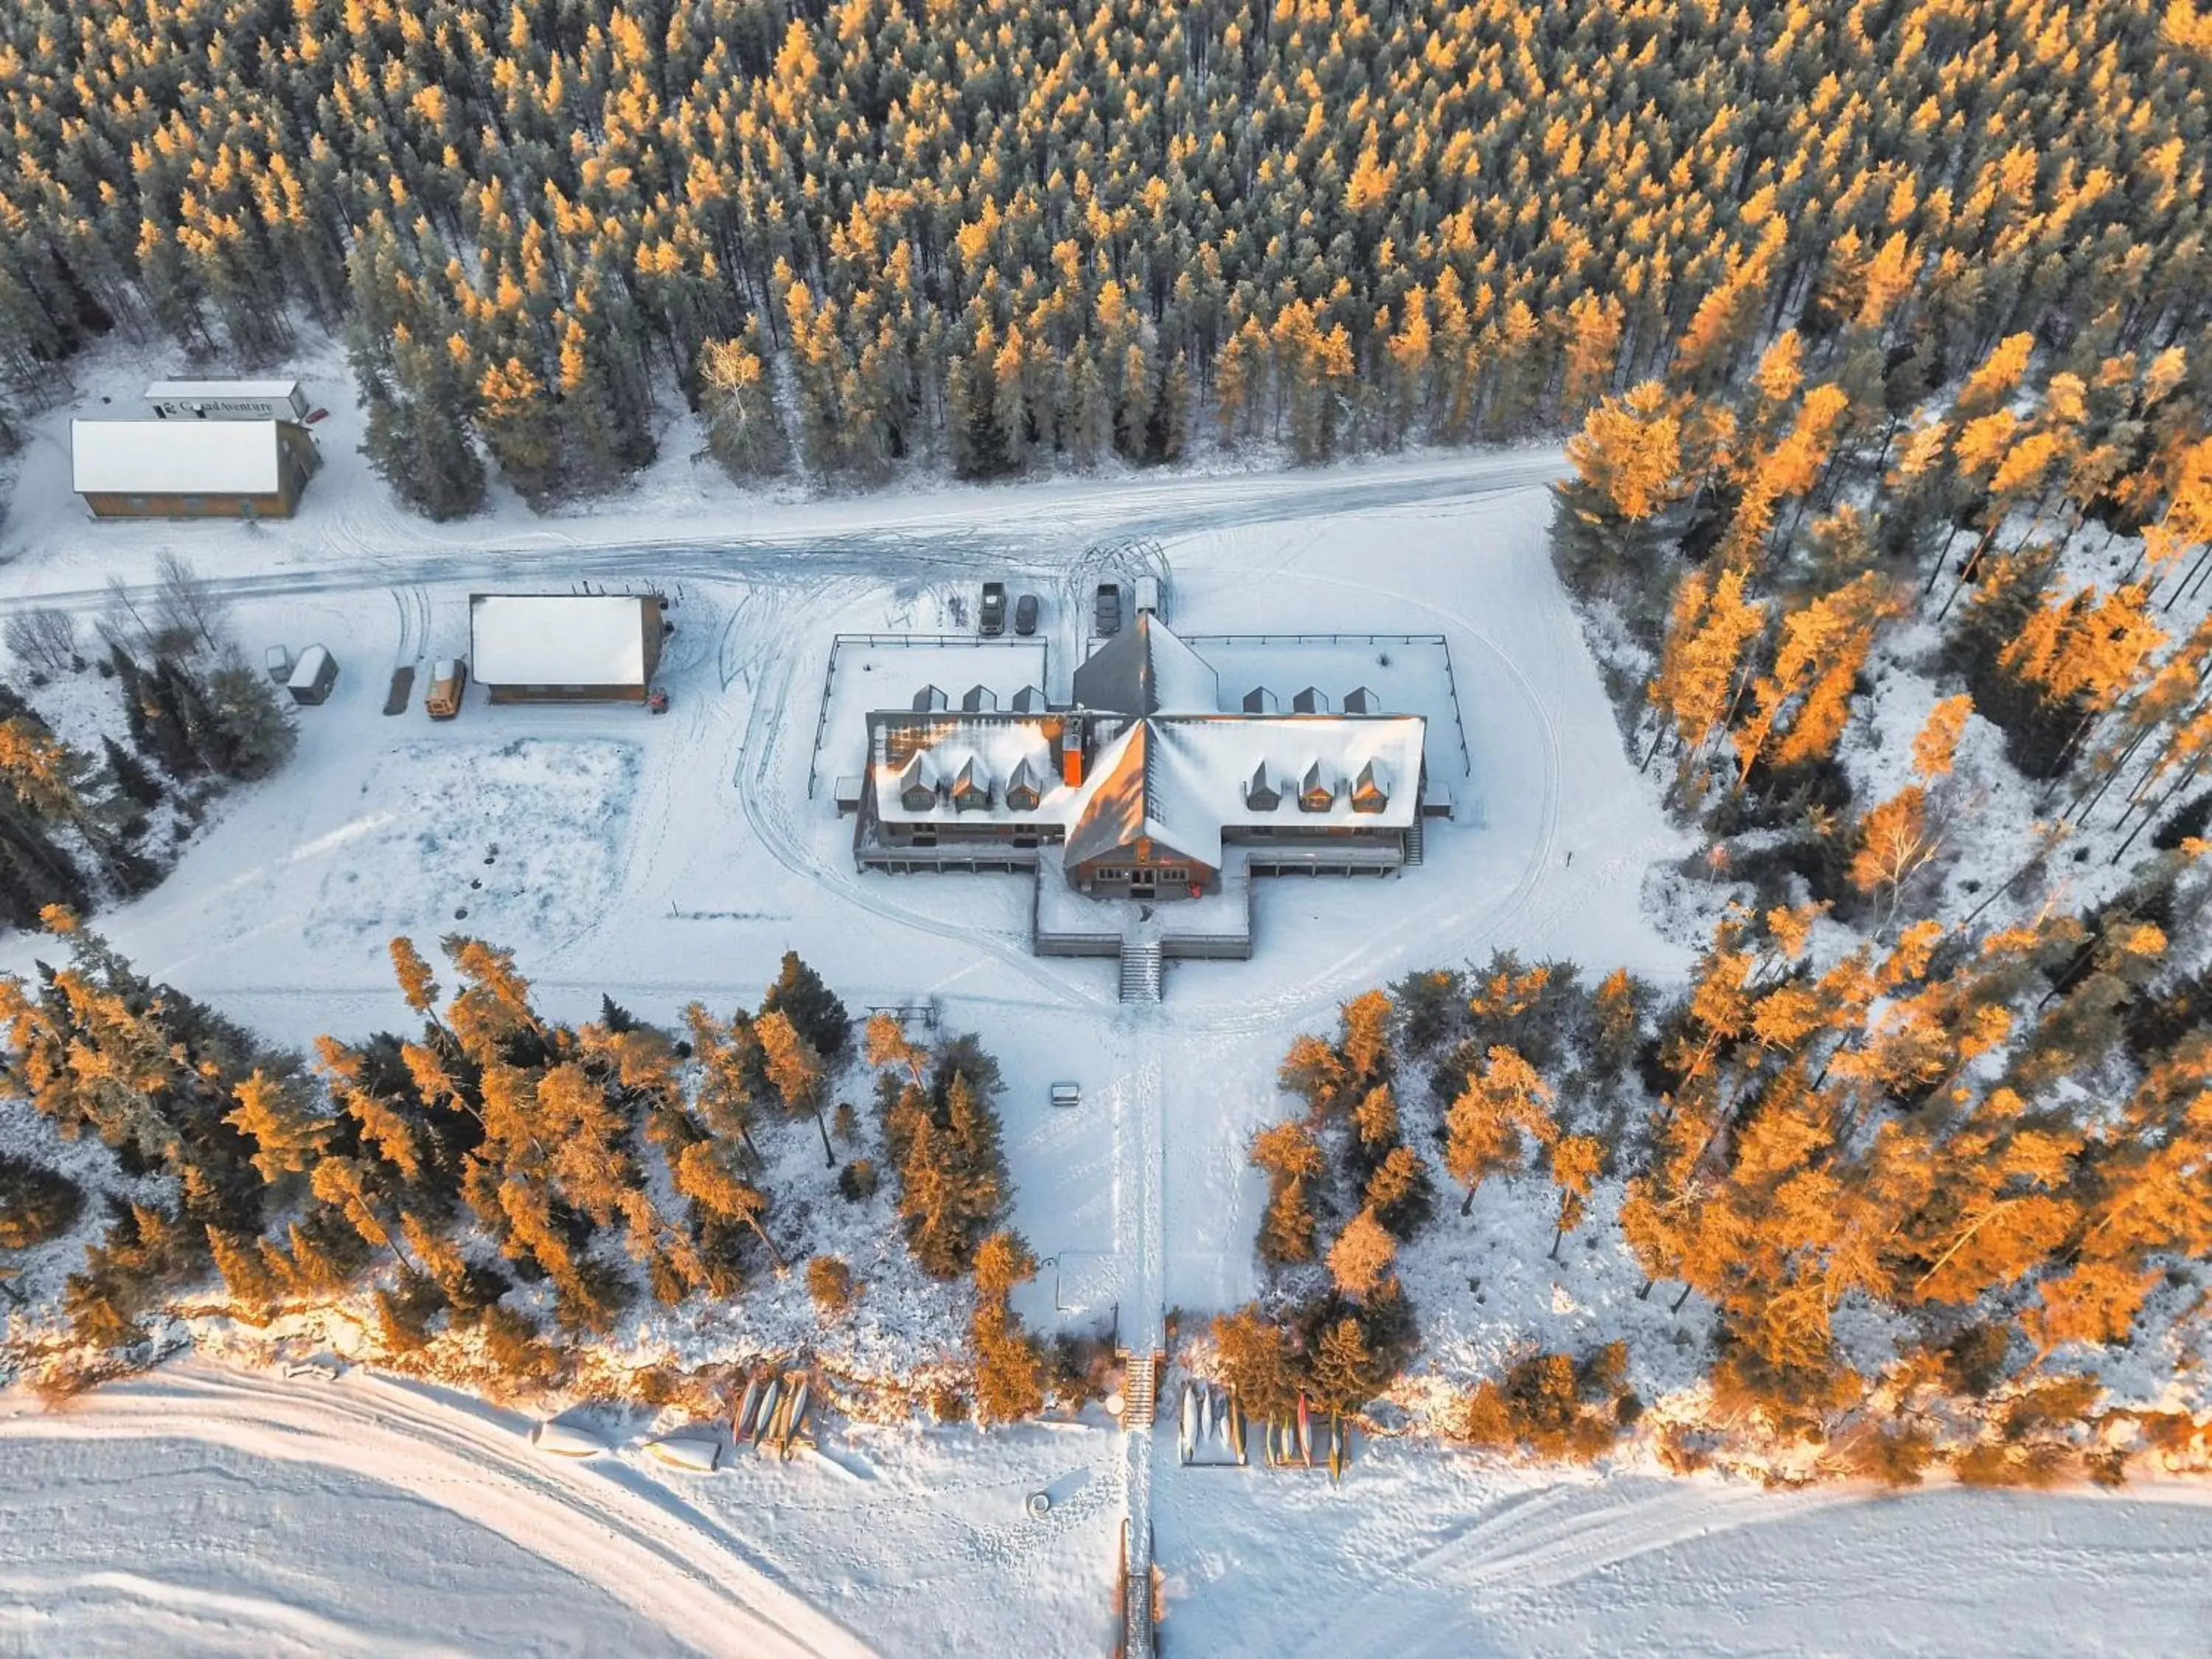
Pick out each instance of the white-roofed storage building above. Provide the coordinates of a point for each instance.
(565, 648)
(191, 470)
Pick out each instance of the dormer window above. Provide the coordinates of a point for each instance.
(1025, 788)
(1370, 790)
(917, 793)
(980, 700)
(928, 700)
(971, 788)
(1317, 790)
(1261, 793)
(1311, 701)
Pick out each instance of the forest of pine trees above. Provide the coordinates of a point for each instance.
(1013, 235)
(1998, 1141)
(497, 1188)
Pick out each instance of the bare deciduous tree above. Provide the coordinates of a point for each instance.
(45, 640)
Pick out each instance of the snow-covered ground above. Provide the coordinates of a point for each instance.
(204, 1510)
(662, 860)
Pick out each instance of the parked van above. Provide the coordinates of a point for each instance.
(1148, 596)
(313, 675)
(449, 677)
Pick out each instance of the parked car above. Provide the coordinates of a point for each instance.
(313, 675)
(993, 619)
(1025, 615)
(449, 677)
(278, 661)
(1108, 620)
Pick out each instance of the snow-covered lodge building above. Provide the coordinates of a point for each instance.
(565, 648)
(220, 469)
(1144, 786)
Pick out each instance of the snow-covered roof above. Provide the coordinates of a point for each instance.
(163, 392)
(557, 639)
(1146, 670)
(174, 457)
(1176, 780)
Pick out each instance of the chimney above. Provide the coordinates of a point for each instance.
(1071, 754)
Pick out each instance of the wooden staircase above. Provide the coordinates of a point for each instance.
(1140, 1388)
(1142, 963)
(1416, 839)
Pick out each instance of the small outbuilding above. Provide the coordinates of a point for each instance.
(227, 400)
(565, 648)
(229, 469)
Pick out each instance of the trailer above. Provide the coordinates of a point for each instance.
(313, 676)
(227, 400)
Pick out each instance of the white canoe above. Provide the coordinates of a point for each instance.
(1189, 1421)
(692, 1452)
(797, 1414)
(767, 1414)
(559, 1439)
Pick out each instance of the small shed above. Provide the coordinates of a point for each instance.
(565, 648)
(231, 469)
(227, 400)
(313, 676)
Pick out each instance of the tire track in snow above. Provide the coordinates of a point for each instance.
(667, 1560)
(1545, 1542)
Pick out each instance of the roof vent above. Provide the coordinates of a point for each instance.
(980, 700)
(1311, 701)
(1260, 700)
(1028, 700)
(928, 700)
(1361, 701)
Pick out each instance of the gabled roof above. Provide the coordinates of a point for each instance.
(173, 458)
(550, 639)
(1126, 805)
(1146, 670)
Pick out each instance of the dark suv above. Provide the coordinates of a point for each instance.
(995, 610)
(1025, 615)
(1109, 617)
